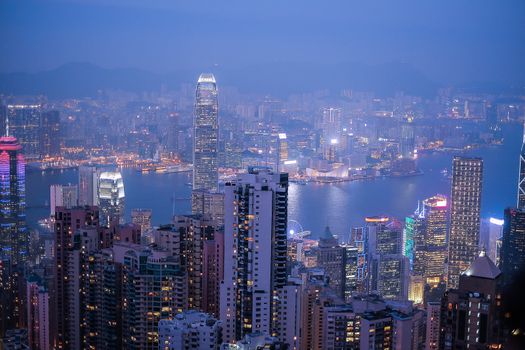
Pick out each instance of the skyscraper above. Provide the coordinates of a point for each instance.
(513, 247)
(62, 196)
(407, 143)
(467, 176)
(206, 133)
(111, 197)
(521, 181)
(87, 185)
(14, 237)
(23, 122)
(254, 251)
(50, 137)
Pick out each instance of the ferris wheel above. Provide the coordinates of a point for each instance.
(295, 230)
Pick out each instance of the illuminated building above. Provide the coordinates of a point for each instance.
(407, 142)
(359, 240)
(67, 261)
(23, 122)
(465, 209)
(470, 314)
(342, 328)
(111, 197)
(350, 273)
(513, 245)
(521, 180)
(62, 196)
(430, 240)
(38, 321)
(205, 129)
(255, 250)
(14, 237)
(208, 203)
(87, 185)
(433, 310)
(142, 217)
(491, 232)
(190, 330)
(50, 136)
(330, 257)
(282, 152)
(416, 289)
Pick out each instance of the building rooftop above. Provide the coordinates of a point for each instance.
(483, 267)
(206, 78)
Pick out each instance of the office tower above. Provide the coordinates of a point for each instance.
(407, 141)
(87, 185)
(62, 196)
(190, 330)
(360, 241)
(350, 273)
(465, 208)
(23, 122)
(513, 245)
(254, 251)
(14, 237)
(491, 231)
(430, 225)
(3, 120)
(10, 302)
(205, 129)
(67, 223)
(414, 230)
(142, 217)
(416, 289)
(470, 315)
(393, 276)
(50, 136)
(111, 197)
(208, 203)
(330, 257)
(282, 150)
(521, 180)
(38, 321)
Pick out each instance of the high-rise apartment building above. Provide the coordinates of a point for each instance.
(38, 321)
(111, 197)
(190, 330)
(62, 196)
(142, 217)
(513, 246)
(255, 240)
(68, 222)
(330, 257)
(206, 134)
(465, 210)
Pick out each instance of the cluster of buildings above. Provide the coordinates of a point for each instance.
(232, 276)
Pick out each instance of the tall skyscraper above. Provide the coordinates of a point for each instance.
(430, 240)
(513, 247)
(206, 134)
(14, 237)
(23, 122)
(465, 210)
(50, 136)
(521, 181)
(111, 197)
(254, 251)
(38, 321)
(407, 141)
(331, 257)
(87, 185)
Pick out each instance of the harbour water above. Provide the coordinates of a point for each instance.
(314, 206)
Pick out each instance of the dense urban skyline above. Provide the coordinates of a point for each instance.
(282, 176)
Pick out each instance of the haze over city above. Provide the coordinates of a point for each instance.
(294, 175)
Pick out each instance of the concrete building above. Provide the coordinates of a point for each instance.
(190, 330)
(255, 250)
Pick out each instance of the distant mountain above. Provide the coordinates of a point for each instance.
(278, 79)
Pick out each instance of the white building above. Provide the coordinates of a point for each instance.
(190, 330)
(255, 243)
(111, 197)
(62, 196)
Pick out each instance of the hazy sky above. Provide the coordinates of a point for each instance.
(450, 41)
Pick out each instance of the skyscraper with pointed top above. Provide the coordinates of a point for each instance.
(521, 182)
(205, 135)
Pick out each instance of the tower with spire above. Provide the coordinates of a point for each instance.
(521, 181)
